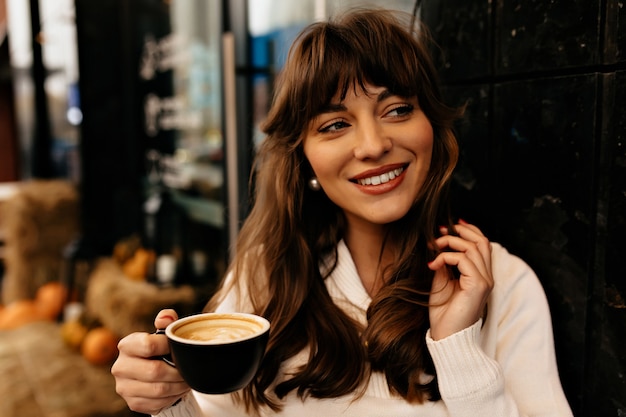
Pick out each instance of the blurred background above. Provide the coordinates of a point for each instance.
(128, 128)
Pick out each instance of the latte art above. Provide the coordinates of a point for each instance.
(218, 330)
(217, 353)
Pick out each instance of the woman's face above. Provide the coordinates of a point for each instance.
(371, 153)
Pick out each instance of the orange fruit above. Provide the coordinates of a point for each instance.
(50, 299)
(19, 313)
(99, 346)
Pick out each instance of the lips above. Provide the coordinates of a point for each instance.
(383, 175)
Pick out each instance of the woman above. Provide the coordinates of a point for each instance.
(380, 304)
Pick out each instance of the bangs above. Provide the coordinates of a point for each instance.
(353, 55)
(328, 59)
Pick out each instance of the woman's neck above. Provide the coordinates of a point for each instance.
(365, 245)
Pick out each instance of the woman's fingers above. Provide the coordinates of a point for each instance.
(164, 318)
(143, 345)
(469, 241)
(456, 250)
(150, 398)
(160, 381)
(457, 304)
(472, 279)
(146, 382)
(470, 233)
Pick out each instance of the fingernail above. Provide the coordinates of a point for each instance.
(168, 317)
(461, 221)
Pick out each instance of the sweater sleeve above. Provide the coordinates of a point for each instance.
(471, 384)
(506, 366)
(186, 407)
(195, 404)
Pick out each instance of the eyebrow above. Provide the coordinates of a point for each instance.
(335, 107)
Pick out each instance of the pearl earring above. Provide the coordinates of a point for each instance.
(314, 184)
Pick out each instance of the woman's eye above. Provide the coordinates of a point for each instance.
(333, 126)
(400, 111)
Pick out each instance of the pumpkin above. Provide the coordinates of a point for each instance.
(19, 313)
(100, 346)
(50, 299)
(73, 333)
(137, 267)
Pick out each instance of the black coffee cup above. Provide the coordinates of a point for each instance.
(217, 353)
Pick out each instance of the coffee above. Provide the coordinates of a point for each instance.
(220, 329)
(217, 353)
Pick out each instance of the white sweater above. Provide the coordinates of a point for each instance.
(504, 368)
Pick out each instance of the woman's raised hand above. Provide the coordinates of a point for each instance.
(457, 303)
(146, 383)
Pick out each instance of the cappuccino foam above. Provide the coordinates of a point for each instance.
(218, 329)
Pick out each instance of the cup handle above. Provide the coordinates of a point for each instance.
(166, 358)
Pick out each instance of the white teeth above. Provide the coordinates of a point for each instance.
(381, 179)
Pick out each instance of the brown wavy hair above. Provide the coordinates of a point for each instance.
(291, 229)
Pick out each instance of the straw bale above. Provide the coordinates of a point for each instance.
(125, 306)
(39, 221)
(42, 377)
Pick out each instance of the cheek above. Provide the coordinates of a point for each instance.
(315, 164)
(319, 159)
(426, 144)
(423, 149)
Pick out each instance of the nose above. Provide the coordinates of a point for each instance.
(371, 141)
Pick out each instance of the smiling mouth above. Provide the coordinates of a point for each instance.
(380, 179)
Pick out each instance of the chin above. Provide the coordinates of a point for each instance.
(387, 218)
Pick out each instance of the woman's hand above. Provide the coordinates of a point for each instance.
(147, 383)
(456, 304)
